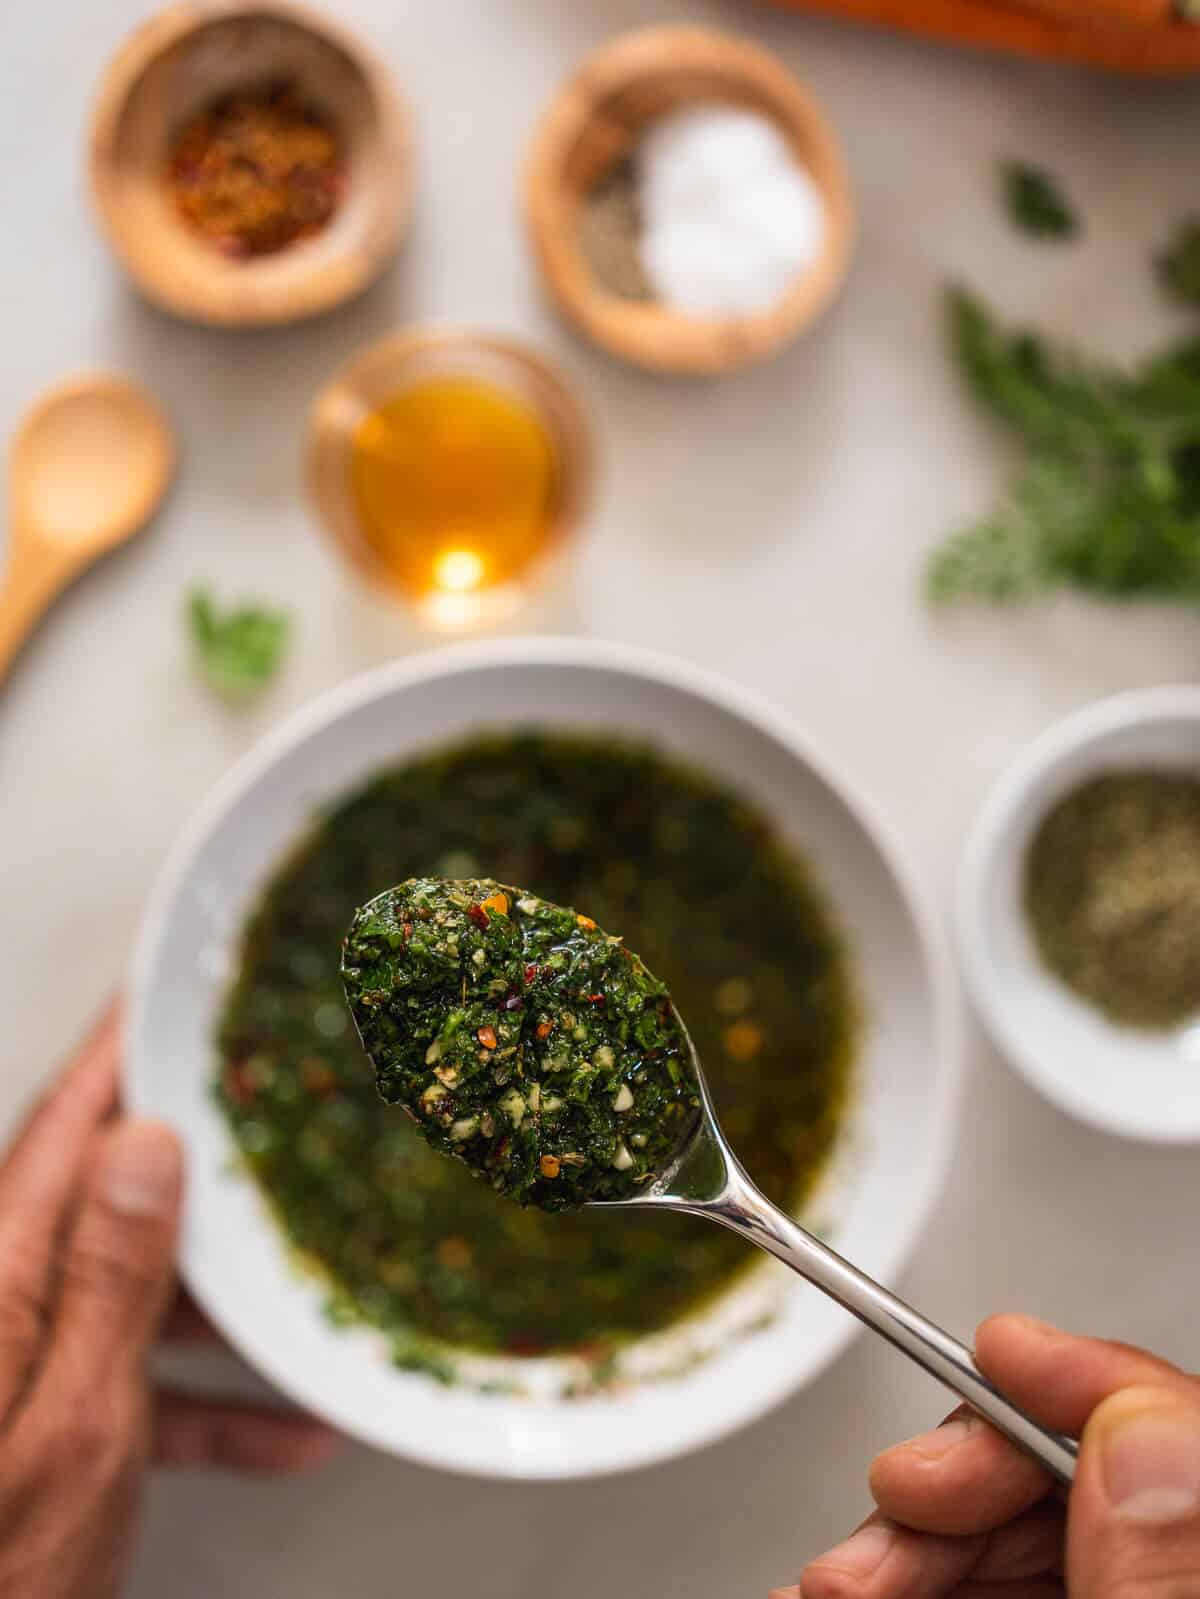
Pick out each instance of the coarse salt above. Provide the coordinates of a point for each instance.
(730, 220)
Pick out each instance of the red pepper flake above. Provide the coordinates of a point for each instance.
(257, 170)
(406, 931)
(595, 999)
(585, 921)
(742, 1040)
(544, 1029)
(593, 1351)
(530, 973)
(319, 1081)
(521, 1345)
(478, 915)
(238, 1084)
(487, 1037)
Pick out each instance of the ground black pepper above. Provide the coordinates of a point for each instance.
(609, 234)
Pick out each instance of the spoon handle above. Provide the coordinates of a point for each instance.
(33, 577)
(748, 1212)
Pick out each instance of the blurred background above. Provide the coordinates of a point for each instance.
(772, 524)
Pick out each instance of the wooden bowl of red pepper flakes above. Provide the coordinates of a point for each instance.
(251, 163)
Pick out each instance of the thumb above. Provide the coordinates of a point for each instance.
(1134, 1519)
(118, 1265)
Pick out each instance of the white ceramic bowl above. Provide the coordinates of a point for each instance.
(1127, 1081)
(892, 1157)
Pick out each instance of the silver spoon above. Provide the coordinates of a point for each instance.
(708, 1180)
(705, 1178)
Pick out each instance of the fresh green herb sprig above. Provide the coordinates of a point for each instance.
(239, 651)
(1178, 266)
(1108, 499)
(1036, 203)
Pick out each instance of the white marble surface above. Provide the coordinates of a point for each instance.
(772, 526)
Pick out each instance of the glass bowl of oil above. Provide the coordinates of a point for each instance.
(450, 468)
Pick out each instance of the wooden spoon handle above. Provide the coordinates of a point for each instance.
(35, 574)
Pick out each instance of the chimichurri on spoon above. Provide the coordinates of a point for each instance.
(523, 1039)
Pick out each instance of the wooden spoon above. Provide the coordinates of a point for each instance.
(89, 465)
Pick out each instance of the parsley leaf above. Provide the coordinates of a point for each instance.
(1108, 499)
(1178, 267)
(238, 652)
(1035, 202)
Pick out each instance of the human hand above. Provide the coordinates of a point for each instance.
(89, 1207)
(963, 1513)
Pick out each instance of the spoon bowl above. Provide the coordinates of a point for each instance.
(88, 467)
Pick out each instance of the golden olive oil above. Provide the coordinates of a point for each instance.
(455, 483)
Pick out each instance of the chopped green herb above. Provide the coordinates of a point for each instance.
(424, 1357)
(1179, 265)
(238, 652)
(1109, 497)
(521, 1039)
(1035, 202)
(1112, 892)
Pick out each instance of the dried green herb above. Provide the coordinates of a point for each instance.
(1112, 892)
(521, 1039)
(1178, 266)
(238, 652)
(1109, 497)
(1036, 203)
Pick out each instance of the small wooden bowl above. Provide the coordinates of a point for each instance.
(594, 123)
(169, 70)
(370, 379)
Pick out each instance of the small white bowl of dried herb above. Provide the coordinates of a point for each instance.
(1079, 914)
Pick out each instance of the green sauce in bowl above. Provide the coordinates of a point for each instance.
(695, 879)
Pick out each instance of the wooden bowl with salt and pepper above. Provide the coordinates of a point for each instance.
(158, 91)
(593, 128)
